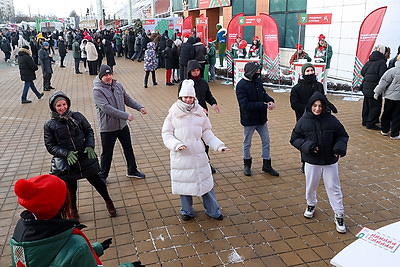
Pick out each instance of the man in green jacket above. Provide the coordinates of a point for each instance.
(76, 54)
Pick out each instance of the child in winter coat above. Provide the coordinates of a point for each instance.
(150, 63)
(183, 132)
(322, 140)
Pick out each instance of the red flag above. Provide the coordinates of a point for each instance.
(187, 27)
(369, 31)
(234, 29)
(271, 45)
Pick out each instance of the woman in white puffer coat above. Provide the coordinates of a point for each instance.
(183, 131)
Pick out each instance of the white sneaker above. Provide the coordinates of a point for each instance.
(395, 137)
(309, 213)
(384, 134)
(339, 222)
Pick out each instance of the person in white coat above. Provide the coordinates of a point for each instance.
(185, 126)
(91, 53)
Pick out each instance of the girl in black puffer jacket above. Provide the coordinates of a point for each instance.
(322, 140)
(69, 137)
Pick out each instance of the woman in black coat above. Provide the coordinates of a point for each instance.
(109, 53)
(69, 137)
(169, 59)
(322, 140)
(62, 50)
(372, 73)
(27, 68)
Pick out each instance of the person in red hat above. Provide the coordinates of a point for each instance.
(299, 54)
(45, 235)
(323, 53)
(255, 50)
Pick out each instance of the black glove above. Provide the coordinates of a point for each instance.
(137, 264)
(313, 148)
(106, 243)
(332, 107)
(339, 152)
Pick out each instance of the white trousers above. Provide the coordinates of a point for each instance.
(330, 174)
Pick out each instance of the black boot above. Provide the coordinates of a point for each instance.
(268, 169)
(247, 167)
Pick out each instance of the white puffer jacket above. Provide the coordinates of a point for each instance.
(91, 51)
(389, 84)
(190, 169)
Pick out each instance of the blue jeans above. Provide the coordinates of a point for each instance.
(212, 72)
(209, 202)
(248, 135)
(28, 85)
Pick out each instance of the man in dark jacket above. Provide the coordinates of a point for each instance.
(186, 54)
(27, 68)
(62, 51)
(45, 58)
(200, 53)
(254, 103)
(6, 48)
(372, 73)
(203, 92)
(130, 41)
(145, 41)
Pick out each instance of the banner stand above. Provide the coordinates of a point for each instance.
(228, 80)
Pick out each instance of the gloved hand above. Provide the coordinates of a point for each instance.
(90, 152)
(339, 152)
(72, 158)
(137, 264)
(106, 243)
(313, 149)
(376, 96)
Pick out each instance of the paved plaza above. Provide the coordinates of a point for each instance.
(263, 224)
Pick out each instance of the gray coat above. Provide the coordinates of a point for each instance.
(389, 84)
(110, 105)
(45, 61)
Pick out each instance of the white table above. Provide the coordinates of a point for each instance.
(360, 253)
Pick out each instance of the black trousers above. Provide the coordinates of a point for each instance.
(108, 142)
(92, 67)
(95, 181)
(183, 72)
(153, 76)
(46, 80)
(76, 61)
(391, 114)
(371, 111)
(62, 61)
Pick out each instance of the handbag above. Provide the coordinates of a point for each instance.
(59, 166)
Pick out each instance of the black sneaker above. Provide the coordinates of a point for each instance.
(136, 174)
(40, 95)
(219, 218)
(186, 217)
(26, 101)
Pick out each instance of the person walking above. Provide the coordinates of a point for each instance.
(69, 137)
(183, 131)
(110, 99)
(150, 64)
(62, 50)
(45, 234)
(212, 59)
(137, 47)
(45, 58)
(76, 54)
(389, 88)
(169, 61)
(254, 103)
(6, 48)
(27, 69)
(322, 140)
(372, 72)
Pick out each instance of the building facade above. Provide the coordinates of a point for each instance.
(7, 12)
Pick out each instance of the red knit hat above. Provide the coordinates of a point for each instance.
(43, 195)
(321, 37)
(256, 38)
(299, 47)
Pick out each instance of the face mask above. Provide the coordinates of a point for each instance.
(256, 76)
(309, 78)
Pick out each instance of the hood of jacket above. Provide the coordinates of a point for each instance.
(54, 96)
(193, 64)
(376, 55)
(191, 40)
(317, 96)
(250, 69)
(151, 45)
(23, 51)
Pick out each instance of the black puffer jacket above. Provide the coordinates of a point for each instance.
(187, 51)
(62, 136)
(323, 131)
(203, 92)
(252, 97)
(372, 72)
(27, 66)
(169, 57)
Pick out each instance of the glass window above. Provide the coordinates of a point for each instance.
(287, 21)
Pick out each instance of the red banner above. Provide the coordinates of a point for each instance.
(187, 27)
(369, 31)
(201, 28)
(307, 19)
(234, 29)
(271, 45)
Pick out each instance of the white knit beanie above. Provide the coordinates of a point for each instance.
(187, 89)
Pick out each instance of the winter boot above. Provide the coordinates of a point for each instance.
(268, 169)
(247, 167)
(112, 212)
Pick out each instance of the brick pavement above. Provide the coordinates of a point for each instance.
(264, 223)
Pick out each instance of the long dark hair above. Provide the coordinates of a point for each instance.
(66, 209)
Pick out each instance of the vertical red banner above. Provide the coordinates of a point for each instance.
(369, 31)
(234, 29)
(271, 45)
(187, 26)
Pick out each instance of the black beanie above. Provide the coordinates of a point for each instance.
(104, 69)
